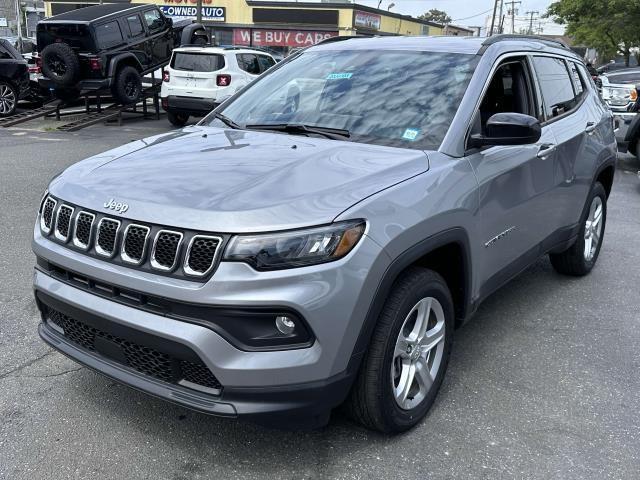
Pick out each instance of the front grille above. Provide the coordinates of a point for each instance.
(179, 253)
(134, 244)
(201, 254)
(143, 359)
(165, 250)
(47, 214)
(84, 224)
(107, 236)
(63, 222)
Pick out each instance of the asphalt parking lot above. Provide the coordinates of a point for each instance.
(543, 382)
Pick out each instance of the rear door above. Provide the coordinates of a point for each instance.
(573, 122)
(140, 45)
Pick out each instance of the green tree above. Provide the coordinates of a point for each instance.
(437, 16)
(609, 26)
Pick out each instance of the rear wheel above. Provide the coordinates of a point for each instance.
(408, 355)
(178, 119)
(127, 85)
(581, 257)
(8, 99)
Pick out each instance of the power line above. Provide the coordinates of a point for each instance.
(472, 16)
(531, 14)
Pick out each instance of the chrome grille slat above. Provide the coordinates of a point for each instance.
(83, 229)
(201, 255)
(63, 222)
(134, 243)
(46, 217)
(166, 247)
(107, 236)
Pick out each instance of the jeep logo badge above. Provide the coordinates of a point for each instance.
(116, 206)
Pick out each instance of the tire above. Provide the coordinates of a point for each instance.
(575, 260)
(178, 119)
(8, 99)
(373, 401)
(127, 85)
(60, 64)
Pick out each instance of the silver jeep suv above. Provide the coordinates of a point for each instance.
(317, 238)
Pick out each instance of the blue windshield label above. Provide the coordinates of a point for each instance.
(339, 76)
(410, 134)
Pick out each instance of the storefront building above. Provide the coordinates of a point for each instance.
(280, 26)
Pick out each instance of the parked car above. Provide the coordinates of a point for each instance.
(620, 91)
(14, 78)
(300, 248)
(198, 79)
(108, 46)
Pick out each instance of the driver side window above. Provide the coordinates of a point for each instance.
(510, 91)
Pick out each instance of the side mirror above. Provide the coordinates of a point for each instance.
(508, 129)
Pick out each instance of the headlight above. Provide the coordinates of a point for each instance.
(296, 248)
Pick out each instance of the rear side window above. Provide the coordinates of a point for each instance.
(578, 82)
(249, 63)
(266, 62)
(135, 25)
(153, 20)
(108, 34)
(556, 86)
(197, 62)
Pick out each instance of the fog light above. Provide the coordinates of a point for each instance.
(285, 325)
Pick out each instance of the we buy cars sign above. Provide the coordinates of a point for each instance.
(278, 38)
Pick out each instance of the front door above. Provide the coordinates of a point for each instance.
(515, 182)
(160, 39)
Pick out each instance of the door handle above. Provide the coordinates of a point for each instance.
(546, 150)
(590, 128)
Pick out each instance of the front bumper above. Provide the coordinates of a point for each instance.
(264, 385)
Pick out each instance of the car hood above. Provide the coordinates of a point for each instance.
(235, 181)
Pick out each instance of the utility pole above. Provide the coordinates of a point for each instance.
(531, 14)
(493, 18)
(199, 11)
(513, 4)
(500, 17)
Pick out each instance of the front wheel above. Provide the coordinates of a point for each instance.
(408, 355)
(581, 257)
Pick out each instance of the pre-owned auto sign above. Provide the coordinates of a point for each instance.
(215, 14)
(283, 38)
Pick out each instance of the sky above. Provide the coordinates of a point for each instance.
(472, 12)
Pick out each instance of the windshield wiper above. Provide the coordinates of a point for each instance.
(227, 121)
(332, 133)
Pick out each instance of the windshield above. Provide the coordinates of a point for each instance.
(395, 98)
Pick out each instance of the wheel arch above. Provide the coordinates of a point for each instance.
(447, 253)
(121, 60)
(605, 175)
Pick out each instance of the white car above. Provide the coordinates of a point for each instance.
(199, 78)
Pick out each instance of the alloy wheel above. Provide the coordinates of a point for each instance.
(418, 353)
(593, 229)
(7, 99)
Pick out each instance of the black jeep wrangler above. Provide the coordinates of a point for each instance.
(109, 46)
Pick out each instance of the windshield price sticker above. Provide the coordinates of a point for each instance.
(339, 76)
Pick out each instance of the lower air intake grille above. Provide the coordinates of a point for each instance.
(202, 254)
(146, 360)
(107, 234)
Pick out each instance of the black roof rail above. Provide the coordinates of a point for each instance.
(508, 36)
(342, 38)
